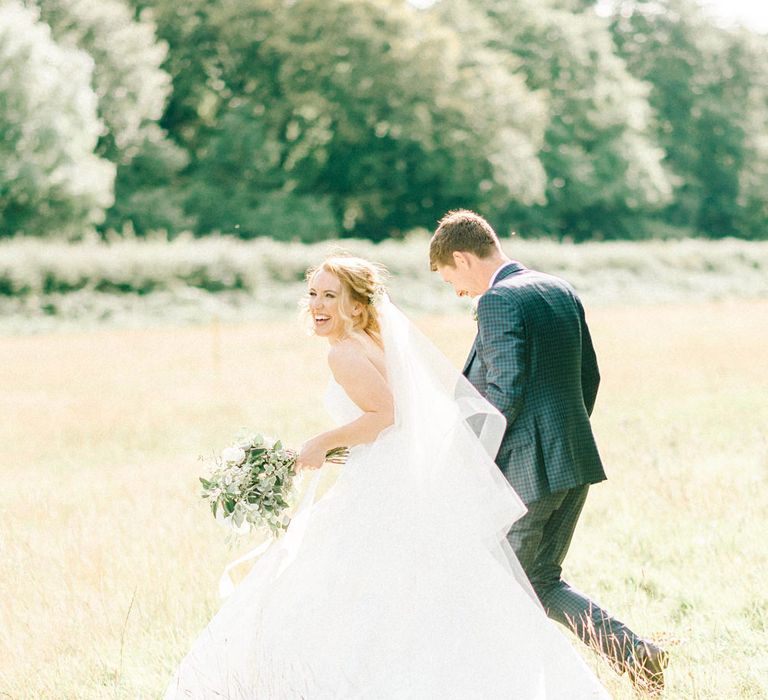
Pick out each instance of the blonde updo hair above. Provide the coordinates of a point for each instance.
(361, 281)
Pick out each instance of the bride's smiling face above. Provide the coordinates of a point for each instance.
(325, 299)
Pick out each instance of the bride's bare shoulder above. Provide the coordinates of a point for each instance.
(349, 349)
(353, 352)
(344, 351)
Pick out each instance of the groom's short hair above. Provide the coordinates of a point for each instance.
(461, 231)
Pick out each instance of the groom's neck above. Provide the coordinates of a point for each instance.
(487, 267)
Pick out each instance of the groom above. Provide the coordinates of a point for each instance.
(533, 359)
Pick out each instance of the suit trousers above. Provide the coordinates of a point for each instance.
(540, 540)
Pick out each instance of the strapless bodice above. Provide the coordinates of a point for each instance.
(338, 404)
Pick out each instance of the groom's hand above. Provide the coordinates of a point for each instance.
(312, 455)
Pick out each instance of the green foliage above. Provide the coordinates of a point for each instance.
(149, 191)
(313, 119)
(127, 78)
(234, 189)
(603, 170)
(710, 93)
(250, 486)
(285, 216)
(132, 90)
(368, 103)
(51, 182)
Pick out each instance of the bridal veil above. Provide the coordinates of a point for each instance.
(398, 584)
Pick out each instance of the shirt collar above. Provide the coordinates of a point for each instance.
(496, 274)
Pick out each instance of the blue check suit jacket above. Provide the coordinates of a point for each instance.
(533, 359)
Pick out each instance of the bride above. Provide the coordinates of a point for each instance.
(399, 583)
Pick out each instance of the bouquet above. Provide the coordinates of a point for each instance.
(251, 484)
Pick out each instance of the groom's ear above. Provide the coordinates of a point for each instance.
(460, 260)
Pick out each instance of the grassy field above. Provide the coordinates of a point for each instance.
(109, 561)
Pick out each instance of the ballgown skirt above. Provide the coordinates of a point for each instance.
(382, 590)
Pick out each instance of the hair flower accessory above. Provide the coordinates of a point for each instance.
(376, 295)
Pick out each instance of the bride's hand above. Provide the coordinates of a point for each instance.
(312, 455)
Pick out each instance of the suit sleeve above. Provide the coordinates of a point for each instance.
(503, 346)
(590, 374)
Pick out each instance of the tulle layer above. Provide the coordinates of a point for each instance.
(382, 599)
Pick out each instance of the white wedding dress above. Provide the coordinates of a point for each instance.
(399, 583)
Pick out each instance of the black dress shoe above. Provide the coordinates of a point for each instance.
(646, 667)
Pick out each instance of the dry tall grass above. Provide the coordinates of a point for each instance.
(109, 561)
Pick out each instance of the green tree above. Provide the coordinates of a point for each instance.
(132, 90)
(51, 181)
(751, 52)
(603, 168)
(150, 188)
(711, 98)
(364, 106)
(128, 79)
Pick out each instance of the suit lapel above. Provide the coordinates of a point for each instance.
(505, 272)
(470, 357)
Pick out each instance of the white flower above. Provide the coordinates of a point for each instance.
(233, 455)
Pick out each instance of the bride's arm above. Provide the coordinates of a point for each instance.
(366, 387)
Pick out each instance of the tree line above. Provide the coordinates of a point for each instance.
(313, 119)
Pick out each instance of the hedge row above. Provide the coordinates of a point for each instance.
(231, 278)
